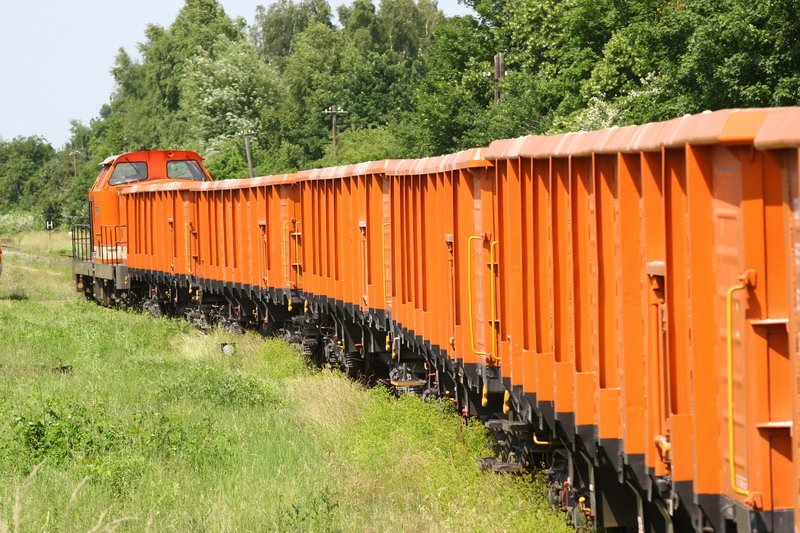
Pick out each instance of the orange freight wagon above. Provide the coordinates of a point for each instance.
(671, 260)
(622, 304)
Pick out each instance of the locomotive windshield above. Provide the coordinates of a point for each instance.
(128, 173)
(185, 170)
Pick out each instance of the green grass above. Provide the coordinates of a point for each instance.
(113, 419)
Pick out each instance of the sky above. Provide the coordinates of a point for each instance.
(56, 56)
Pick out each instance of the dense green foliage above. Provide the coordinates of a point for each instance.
(112, 418)
(413, 82)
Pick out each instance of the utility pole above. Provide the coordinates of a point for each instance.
(499, 75)
(334, 111)
(74, 155)
(247, 135)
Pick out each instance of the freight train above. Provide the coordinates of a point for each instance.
(621, 304)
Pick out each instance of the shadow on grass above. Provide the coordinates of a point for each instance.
(58, 369)
(14, 296)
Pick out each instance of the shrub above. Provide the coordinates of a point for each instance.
(59, 431)
(217, 387)
(15, 222)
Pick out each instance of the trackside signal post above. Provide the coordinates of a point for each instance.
(49, 225)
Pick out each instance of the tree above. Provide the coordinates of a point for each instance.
(456, 89)
(276, 26)
(314, 74)
(166, 52)
(228, 91)
(144, 109)
(744, 55)
(21, 162)
(413, 82)
(366, 144)
(407, 26)
(361, 20)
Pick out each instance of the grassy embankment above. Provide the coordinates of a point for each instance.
(112, 419)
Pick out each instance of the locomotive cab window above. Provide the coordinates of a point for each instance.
(128, 173)
(185, 170)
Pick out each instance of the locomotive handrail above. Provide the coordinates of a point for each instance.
(122, 238)
(729, 347)
(110, 240)
(82, 245)
(385, 225)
